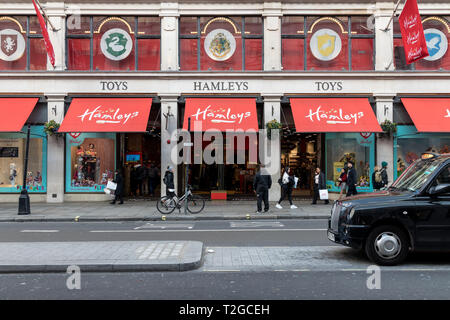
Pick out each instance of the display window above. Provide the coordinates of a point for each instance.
(437, 35)
(90, 161)
(114, 43)
(12, 156)
(21, 44)
(410, 144)
(327, 43)
(221, 43)
(359, 148)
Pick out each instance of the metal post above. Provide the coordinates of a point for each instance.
(187, 169)
(24, 199)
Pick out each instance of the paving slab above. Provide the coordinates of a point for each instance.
(101, 256)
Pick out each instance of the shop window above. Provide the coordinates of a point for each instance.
(21, 44)
(114, 43)
(12, 155)
(90, 161)
(327, 43)
(221, 43)
(410, 144)
(437, 35)
(358, 148)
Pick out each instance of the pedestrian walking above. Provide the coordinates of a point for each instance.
(352, 180)
(118, 194)
(169, 182)
(343, 182)
(287, 183)
(319, 184)
(384, 175)
(261, 185)
(377, 179)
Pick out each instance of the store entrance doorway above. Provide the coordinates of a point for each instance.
(142, 165)
(302, 152)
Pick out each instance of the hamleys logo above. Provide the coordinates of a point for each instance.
(75, 134)
(107, 116)
(220, 115)
(334, 116)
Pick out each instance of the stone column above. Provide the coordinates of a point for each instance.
(272, 157)
(384, 43)
(272, 36)
(169, 125)
(55, 152)
(385, 145)
(169, 36)
(56, 14)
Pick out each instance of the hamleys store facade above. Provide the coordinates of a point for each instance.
(128, 75)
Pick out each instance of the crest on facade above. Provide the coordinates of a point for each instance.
(12, 45)
(220, 45)
(437, 44)
(116, 44)
(325, 44)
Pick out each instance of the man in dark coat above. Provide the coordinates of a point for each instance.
(319, 184)
(119, 189)
(169, 182)
(261, 185)
(352, 180)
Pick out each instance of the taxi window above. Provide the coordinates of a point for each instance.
(443, 177)
(416, 175)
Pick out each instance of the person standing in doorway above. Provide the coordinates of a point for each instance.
(119, 189)
(153, 178)
(352, 180)
(261, 185)
(169, 182)
(319, 184)
(287, 184)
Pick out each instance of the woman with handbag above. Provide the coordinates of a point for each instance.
(287, 183)
(319, 184)
(343, 182)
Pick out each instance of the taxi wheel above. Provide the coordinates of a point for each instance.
(387, 245)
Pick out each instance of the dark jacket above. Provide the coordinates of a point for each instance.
(262, 181)
(119, 181)
(168, 180)
(322, 184)
(384, 177)
(352, 178)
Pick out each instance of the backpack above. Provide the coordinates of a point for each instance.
(165, 179)
(378, 178)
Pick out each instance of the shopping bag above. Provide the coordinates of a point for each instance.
(111, 185)
(295, 182)
(323, 194)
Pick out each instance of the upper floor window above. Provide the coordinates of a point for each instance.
(114, 43)
(22, 46)
(437, 35)
(327, 43)
(221, 43)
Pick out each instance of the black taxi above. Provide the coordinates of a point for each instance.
(411, 215)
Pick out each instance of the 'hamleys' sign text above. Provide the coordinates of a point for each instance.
(110, 115)
(334, 116)
(220, 115)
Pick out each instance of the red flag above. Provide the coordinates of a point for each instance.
(48, 44)
(412, 32)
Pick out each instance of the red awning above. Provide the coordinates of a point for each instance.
(14, 112)
(334, 115)
(221, 114)
(429, 114)
(107, 115)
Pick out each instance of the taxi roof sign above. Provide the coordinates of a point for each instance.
(428, 155)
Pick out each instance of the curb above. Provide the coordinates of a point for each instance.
(159, 218)
(191, 263)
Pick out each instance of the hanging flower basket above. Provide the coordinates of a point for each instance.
(389, 128)
(272, 125)
(51, 129)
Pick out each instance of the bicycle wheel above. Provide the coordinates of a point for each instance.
(166, 205)
(195, 204)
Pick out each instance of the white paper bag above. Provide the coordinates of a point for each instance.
(323, 194)
(111, 185)
(295, 182)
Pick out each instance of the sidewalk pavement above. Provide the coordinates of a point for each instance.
(111, 256)
(145, 210)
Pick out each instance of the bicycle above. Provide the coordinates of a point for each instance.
(167, 205)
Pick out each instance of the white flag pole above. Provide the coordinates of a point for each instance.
(45, 16)
(392, 17)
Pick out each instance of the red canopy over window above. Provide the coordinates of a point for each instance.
(334, 115)
(14, 112)
(221, 114)
(107, 115)
(429, 114)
